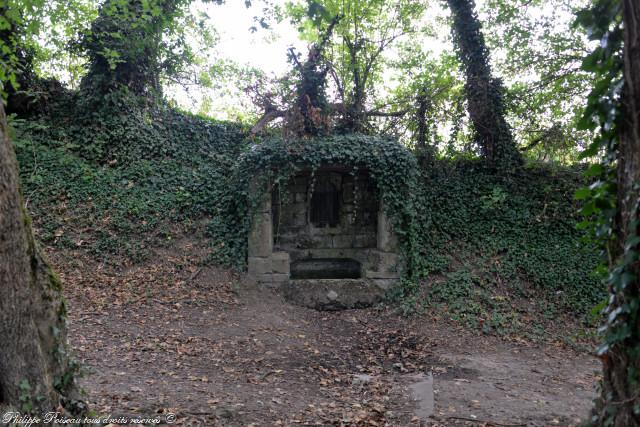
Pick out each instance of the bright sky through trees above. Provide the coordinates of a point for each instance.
(266, 50)
(533, 47)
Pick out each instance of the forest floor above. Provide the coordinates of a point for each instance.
(169, 336)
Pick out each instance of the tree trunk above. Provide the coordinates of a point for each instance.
(620, 392)
(355, 119)
(421, 119)
(484, 93)
(425, 153)
(114, 59)
(35, 370)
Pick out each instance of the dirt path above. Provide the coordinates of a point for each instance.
(172, 338)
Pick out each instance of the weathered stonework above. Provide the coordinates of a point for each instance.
(333, 294)
(331, 228)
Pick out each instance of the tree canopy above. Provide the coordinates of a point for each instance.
(386, 67)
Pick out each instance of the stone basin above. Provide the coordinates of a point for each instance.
(326, 268)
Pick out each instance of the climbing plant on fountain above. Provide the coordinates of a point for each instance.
(275, 161)
(612, 201)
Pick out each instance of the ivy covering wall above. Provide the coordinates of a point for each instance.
(119, 184)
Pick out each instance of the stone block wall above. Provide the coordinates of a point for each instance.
(349, 222)
(386, 266)
(264, 265)
(351, 237)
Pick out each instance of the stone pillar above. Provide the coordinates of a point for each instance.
(386, 269)
(387, 239)
(280, 269)
(261, 234)
(264, 265)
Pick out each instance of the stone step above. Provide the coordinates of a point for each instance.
(333, 294)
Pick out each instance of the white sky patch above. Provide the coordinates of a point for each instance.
(264, 49)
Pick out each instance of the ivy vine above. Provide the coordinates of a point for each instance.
(604, 116)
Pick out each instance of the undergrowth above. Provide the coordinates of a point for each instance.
(496, 253)
(502, 253)
(117, 184)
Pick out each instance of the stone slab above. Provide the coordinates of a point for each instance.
(385, 284)
(258, 266)
(280, 263)
(382, 274)
(332, 294)
(273, 280)
(422, 394)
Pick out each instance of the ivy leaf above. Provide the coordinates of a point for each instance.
(594, 170)
(582, 193)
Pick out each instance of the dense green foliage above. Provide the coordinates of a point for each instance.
(113, 183)
(485, 93)
(488, 242)
(538, 52)
(603, 114)
(125, 43)
(152, 46)
(135, 43)
(608, 201)
(531, 46)
(361, 34)
(34, 32)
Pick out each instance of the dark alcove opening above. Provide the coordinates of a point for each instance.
(325, 205)
(326, 268)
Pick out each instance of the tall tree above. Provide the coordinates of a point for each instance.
(136, 43)
(621, 358)
(429, 91)
(36, 369)
(538, 52)
(484, 92)
(36, 373)
(613, 111)
(29, 35)
(125, 45)
(363, 33)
